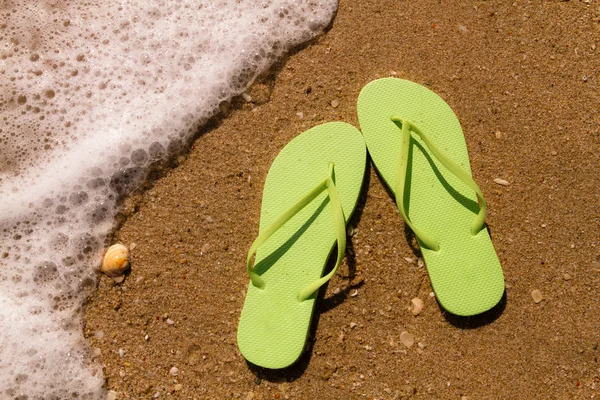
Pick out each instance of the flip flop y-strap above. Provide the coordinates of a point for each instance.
(340, 230)
(407, 127)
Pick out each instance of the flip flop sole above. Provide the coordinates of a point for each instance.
(274, 324)
(465, 273)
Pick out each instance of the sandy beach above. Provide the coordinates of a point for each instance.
(523, 79)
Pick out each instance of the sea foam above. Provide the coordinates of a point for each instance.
(92, 96)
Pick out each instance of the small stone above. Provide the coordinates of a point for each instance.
(407, 339)
(431, 294)
(567, 277)
(554, 152)
(502, 182)
(174, 371)
(132, 246)
(99, 334)
(122, 374)
(205, 248)
(170, 321)
(409, 260)
(247, 97)
(498, 134)
(119, 279)
(335, 103)
(121, 353)
(536, 295)
(336, 290)
(97, 351)
(146, 338)
(300, 115)
(111, 395)
(115, 261)
(156, 395)
(368, 348)
(416, 306)
(420, 262)
(209, 219)
(354, 293)
(178, 387)
(353, 324)
(250, 395)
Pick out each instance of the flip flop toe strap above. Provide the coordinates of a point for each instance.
(407, 127)
(340, 231)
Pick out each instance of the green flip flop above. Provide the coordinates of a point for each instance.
(310, 192)
(418, 147)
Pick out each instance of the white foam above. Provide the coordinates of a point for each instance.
(91, 96)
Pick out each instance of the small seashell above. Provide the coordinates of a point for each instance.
(416, 306)
(111, 395)
(502, 182)
(116, 260)
(407, 339)
(537, 296)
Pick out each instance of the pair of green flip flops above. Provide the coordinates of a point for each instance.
(311, 190)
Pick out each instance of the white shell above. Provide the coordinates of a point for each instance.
(537, 296)
(416, 306)
(407, 339)
(116, 260)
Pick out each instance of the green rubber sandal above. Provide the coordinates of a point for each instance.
(418, 147)
(310, 192)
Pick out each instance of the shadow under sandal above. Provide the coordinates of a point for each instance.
(418, 147)
(310, 192)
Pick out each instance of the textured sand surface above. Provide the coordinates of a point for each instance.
(523, 80)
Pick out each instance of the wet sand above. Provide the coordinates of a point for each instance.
(523, 79)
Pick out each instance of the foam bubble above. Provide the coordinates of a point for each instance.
(91, 98)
